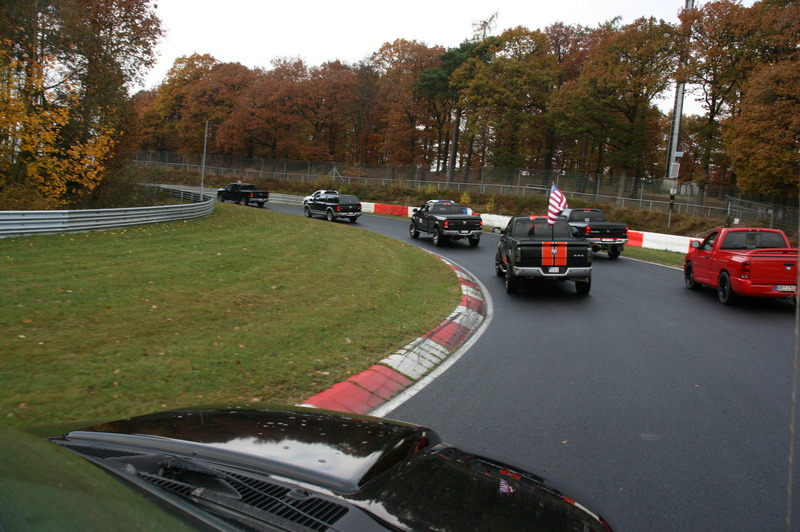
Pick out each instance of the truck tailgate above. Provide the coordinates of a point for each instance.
(773, 266)
(552, 254)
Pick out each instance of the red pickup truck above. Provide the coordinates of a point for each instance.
(743, 261)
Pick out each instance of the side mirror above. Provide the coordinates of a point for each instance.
(695, 244)
(415, 209)
(498, 230)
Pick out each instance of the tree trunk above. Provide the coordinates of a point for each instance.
(454, 134)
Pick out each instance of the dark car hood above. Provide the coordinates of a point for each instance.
(447, 489)
(335, 451)
(399, 473)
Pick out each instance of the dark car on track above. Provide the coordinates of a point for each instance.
(271, 469)
(332, 206)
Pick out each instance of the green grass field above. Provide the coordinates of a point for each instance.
(247, 305)
(668, 258)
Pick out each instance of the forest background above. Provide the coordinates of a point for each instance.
(565, 98)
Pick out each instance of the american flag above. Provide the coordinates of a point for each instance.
(505, 488)
(558, 202)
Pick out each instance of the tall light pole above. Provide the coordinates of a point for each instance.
(672, 165)
(203, 165)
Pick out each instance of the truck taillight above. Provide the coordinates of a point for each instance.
(252, 194)
(447, 224)
(338, 208)
(588, 230)
(745, 272)
(517, 255)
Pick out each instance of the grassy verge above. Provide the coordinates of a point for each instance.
(246, 305)
(668, 258)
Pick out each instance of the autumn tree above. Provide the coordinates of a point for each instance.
(163, 130)
(409, 125)
(612, 101)
(438, 86)
(763, 140)
(722, 52)
(363, 114)
(66, 65)
(509, 91)
(569, 46)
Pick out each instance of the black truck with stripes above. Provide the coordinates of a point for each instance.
(532, 249)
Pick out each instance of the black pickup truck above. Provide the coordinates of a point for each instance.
(444, 220)
(532, 248)
(610, 237)
(243, 193)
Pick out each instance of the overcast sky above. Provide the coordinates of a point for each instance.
(254, 32)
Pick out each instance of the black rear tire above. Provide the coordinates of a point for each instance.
(512, 283)
(438, 237)
(583, 287)
(688, 278)
(724, 291)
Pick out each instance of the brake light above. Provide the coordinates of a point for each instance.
(447, 224)
(338, 208)
(588, 230)
(252, 194)
(745, 272)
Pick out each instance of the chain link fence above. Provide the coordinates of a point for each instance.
(723, 203)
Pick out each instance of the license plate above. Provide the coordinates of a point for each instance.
(463, 232)
(552, 269)
(785, 288)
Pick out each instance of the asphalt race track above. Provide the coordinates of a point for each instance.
(666, 410)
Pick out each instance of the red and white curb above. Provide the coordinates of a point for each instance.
(376, 385)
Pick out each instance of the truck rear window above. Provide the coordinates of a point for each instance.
(586, 216)
(754, 240)
(447, 209)
(542, 230)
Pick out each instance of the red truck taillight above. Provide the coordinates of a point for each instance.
(588, 230)
(745, 271)
(446, 224)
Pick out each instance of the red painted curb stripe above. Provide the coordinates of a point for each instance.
(473, 303)
(380, 384)
(346, 397)
(363, 392)
(451, 334)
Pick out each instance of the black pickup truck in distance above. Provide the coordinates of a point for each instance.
(531, 248)
(243, 193)
(610, 237)
(445, 220)
(332, 206)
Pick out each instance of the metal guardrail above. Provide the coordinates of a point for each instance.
(25, 223)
